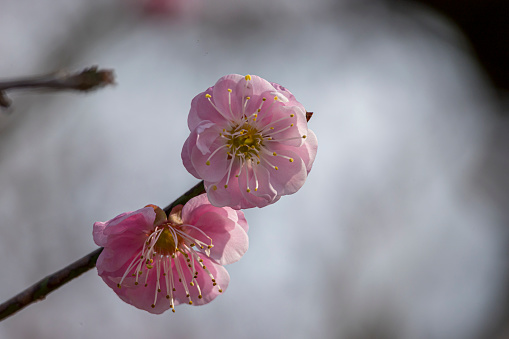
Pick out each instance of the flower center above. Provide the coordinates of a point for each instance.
(244, 141)
(165, 243)
(166, 255)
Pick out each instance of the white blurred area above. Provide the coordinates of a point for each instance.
(394, 235)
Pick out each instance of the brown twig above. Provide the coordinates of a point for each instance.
(86, 80)
(41, 289)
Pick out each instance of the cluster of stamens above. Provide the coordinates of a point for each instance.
(246, 140)
(170, 250)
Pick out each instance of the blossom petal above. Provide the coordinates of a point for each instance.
(291, 98)
(121, 237)
(218, 162)
(224, 97)
(189, 145)
(203, 109)
(206, 134)
(290, 175)
(261, 193)
(220, 196)
(208, 290)
(230, 241)
(288, 125)
(307, 152)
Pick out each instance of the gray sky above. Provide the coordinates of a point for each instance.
(390, 233)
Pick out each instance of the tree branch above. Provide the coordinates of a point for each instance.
(84, 81)
(41, 289)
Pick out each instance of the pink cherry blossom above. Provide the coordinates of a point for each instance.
(156, 262)
(249, 142)
(171, 8)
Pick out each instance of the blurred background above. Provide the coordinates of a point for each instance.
(400, 230)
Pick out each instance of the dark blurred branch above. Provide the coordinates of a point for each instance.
(86, 80)
(41, 289)
(486, 25)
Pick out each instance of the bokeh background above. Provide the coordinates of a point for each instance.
(400, 230)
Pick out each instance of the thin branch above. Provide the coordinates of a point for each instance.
(197, 189)
(41, 289)
(84, 81)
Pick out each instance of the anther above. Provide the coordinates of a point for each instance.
(229, 90)
(247, 77)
